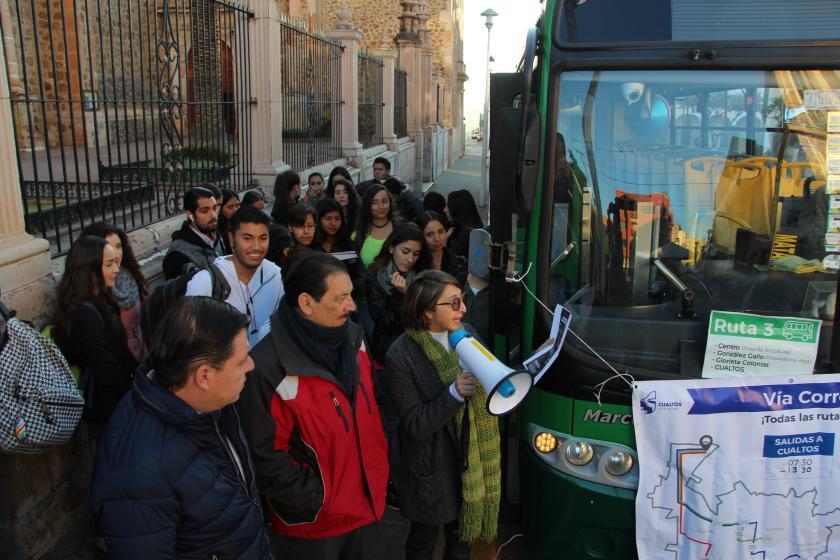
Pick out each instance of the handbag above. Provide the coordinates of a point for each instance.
(40, 406)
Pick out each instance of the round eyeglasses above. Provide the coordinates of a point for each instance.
(455, 303)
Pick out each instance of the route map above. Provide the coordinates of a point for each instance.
(733, 470)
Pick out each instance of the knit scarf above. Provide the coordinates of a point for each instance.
(481, 481)
(330, 347)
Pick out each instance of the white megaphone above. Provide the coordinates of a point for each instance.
(505, 387)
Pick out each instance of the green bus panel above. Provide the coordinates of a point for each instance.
(571, 519)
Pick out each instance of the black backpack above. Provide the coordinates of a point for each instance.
(164, 296)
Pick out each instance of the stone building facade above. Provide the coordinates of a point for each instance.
(381, 22)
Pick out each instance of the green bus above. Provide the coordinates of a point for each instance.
(669, 158)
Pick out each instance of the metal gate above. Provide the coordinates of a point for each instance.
(119, 106)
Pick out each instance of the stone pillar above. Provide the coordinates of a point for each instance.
(23, 259)
(389, 59)
(458, 108)
(267, 85)
(348, 37)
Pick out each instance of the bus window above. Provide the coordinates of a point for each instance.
(719, 176)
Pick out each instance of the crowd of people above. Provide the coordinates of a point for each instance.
(302, 381)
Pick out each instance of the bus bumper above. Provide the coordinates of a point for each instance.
(569, 518)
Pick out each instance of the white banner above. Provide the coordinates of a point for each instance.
(735, 469)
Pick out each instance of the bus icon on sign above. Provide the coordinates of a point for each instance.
(798, 329)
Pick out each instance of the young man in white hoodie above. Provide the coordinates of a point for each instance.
(256, 285)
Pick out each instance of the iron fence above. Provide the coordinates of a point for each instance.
(311, 70)
(370, 100)
(119, 106)
(400, 102)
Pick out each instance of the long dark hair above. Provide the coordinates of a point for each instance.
(401, 234)
(339, 170)
(365, 219)
(351, 215)
(129, 261)
(279, 239)
(324, 207)
(424, 218)
(82, 280)
(463, 210)
(224, 223)
(283, 185)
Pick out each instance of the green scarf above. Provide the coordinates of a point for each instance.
(481, 481)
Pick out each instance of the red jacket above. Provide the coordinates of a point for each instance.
(321, 462)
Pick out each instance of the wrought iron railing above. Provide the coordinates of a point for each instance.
(119, 106)
(400, 102)
(311, 70)
(370, 100)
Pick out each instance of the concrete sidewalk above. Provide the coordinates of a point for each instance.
(463, 174)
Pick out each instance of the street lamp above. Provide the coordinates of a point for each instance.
(488, 16)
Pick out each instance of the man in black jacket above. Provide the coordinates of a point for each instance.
(381, 171)
(197, 241)
(408, 204)
(174, 476)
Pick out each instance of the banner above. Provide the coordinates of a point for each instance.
(746, 345)
(735, 469)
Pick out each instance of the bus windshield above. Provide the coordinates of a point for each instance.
(696, 191)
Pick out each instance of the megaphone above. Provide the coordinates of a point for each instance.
(505, 387)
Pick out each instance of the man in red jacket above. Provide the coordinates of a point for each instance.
(309, 412)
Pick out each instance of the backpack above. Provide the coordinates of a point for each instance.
(162, 298)
(40, 406)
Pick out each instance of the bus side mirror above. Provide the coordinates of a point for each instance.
(530, 132)
(526, 180)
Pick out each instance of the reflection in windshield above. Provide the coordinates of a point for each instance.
(696, 191)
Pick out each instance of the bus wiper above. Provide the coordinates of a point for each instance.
(564, 255)
(686, 292)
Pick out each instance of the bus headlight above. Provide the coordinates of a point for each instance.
(618, 463)
(545, 442)
(579, 453)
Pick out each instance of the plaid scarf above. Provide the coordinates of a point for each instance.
(481, 481)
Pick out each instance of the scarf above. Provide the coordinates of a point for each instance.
(481, 481)
(125, 289)
(330, 347)
(383, 276)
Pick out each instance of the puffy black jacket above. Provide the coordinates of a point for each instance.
(186, 247)
(167, 482)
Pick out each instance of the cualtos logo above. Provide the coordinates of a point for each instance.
(649, 404)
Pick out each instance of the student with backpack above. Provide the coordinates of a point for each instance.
(256, 284)
(88, 329)
(197, 241)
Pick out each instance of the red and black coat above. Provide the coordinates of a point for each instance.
(320, 455)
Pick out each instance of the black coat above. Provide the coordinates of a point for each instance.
(167, 483)
(97, 344)
(432, 459)
(385, 310)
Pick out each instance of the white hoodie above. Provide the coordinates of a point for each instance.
(258, 299)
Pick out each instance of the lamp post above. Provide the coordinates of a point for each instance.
(488, 16)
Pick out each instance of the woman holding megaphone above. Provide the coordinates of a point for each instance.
(449, 443)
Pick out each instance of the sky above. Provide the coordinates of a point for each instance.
(507, 43)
